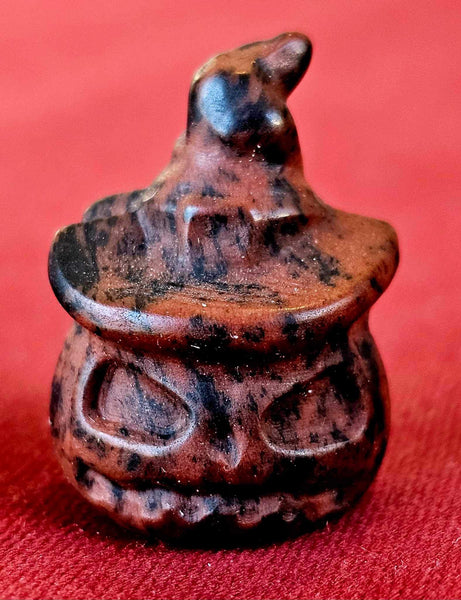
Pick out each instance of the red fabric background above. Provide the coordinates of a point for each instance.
(92, 96)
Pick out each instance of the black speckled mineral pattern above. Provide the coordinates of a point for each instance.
(220, 377)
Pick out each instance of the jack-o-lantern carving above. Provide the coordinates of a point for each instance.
(220, 374)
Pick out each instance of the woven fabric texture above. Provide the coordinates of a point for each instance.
(93, 96)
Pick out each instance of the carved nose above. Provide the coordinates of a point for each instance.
(224, 435)
(230, 452)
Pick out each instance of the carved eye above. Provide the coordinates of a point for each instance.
(312, 416)
(124, 402)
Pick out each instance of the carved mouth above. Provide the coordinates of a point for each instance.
(158, 507)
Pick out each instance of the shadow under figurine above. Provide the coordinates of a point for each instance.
(221, 376)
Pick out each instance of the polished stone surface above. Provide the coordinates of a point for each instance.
(221, 374)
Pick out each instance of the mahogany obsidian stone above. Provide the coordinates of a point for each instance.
(221, 374)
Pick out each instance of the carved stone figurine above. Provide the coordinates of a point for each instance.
(220, 376)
